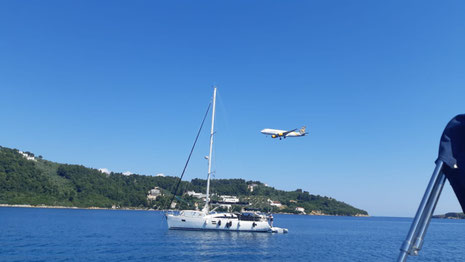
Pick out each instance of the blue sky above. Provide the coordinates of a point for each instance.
(123, 85)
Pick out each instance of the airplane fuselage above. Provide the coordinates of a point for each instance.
(274, 133)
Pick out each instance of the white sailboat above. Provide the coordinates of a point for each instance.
(207, 219)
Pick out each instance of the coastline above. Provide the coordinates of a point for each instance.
(72, 207)
(148, 209)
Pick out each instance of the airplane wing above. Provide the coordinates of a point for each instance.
(287, 132)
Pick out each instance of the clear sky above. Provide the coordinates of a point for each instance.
(123, 85)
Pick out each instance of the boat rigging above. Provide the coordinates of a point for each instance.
(211, 220)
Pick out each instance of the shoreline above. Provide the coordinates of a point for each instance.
(145, 209)
(72, 207)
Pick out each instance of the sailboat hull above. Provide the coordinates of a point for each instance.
(216, 222)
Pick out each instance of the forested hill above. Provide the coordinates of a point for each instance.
(29, 179)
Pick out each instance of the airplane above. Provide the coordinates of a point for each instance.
(275, 133)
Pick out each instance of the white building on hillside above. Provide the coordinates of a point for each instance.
(196, 195)
(274, 203)
(229, 199)
(251, 187)
(154, 193)
(27, 156)
(300, 209)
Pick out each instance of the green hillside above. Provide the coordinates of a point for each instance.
(42, 182)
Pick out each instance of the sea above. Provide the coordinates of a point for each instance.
(41, 234)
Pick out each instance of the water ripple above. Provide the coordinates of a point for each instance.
(30, 234)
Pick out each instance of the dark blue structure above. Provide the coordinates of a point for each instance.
(452, 153)
(450, 164)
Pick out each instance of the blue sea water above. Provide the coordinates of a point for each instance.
(34, 234)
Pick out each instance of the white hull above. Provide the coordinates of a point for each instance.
(197, 220)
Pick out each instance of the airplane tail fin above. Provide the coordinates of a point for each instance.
(302, 130)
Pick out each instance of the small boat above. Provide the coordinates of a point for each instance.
(207, 219)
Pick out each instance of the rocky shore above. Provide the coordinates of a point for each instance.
(451, 215)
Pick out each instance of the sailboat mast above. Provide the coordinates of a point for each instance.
(207, 200)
